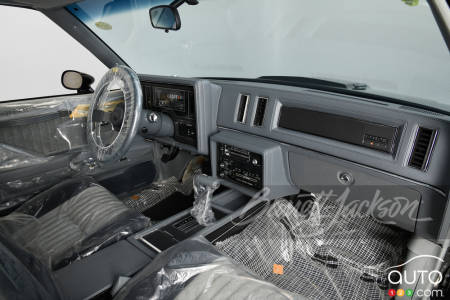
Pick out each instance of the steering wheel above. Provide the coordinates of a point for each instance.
(114, 114)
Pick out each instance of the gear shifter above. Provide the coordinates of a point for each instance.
(204, 187)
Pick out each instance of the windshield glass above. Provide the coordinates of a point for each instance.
(393, 46)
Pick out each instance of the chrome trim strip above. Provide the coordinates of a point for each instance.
(150, 245)
(430, 150)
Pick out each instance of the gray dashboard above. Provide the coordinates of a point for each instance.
(295, 160)
(406, 118)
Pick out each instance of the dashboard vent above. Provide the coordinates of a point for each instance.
(423, 146)
(242, 108)
(260, 110)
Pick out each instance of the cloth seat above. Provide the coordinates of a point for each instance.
(70, 221)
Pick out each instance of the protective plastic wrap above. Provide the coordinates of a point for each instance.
(70, 221)
(123, 120)
(11, 157)
(204, 188)
(22, 276)
(43, 127)
(328, 254)
(32, 134)
(14, 192)
(194, 269)
(164, 188)
(157, 192)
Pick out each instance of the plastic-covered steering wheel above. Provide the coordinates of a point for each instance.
(114, 115)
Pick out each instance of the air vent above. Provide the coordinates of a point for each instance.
(423, 146)
(260, 110)
(242, 108)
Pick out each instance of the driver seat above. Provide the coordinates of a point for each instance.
(70, 221)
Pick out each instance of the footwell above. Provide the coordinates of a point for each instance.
(326, 255)
(156, 193)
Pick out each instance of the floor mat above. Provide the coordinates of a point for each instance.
(326, 255)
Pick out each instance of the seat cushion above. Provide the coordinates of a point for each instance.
(90, 218)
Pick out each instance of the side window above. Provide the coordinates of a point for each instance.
(34, 52)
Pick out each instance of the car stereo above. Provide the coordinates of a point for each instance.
(240, 166)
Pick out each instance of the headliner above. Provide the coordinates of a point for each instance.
(38, 4)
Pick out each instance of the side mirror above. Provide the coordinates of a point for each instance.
(74, 80)
(165, 17)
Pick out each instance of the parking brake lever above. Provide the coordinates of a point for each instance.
(204, 187)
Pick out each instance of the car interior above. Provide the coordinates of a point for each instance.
(168, 187)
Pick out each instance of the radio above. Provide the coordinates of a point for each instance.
(240, 166)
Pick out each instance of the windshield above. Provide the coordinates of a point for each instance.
(393, 46)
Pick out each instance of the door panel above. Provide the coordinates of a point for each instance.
(45, 126)
(38, 138)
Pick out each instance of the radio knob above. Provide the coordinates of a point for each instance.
(222, 174)
(227, 152)
(254, 162)
(222, 165)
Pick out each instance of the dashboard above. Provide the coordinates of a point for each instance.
(287, 139)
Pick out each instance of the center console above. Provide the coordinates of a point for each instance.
(249, 164)
(182, 226)
(176, 231)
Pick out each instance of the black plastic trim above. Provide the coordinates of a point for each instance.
(364, 133)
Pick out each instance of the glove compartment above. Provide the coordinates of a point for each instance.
(394, 200)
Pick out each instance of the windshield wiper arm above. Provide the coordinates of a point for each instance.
(314, 81)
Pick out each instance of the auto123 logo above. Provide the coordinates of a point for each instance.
(427, 280)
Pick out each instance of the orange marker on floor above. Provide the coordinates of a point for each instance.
(278, 269)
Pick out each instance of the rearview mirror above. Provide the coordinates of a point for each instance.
(165, 17)
(74, 80)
